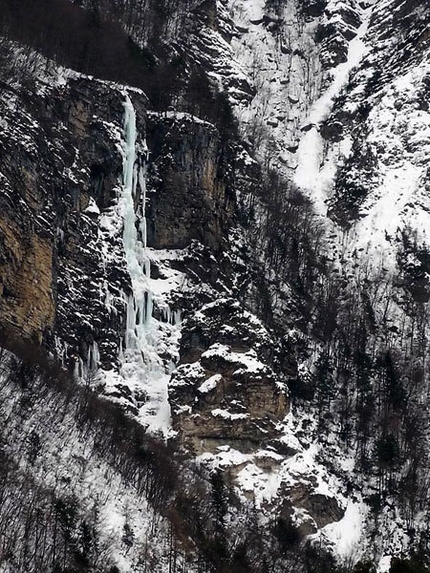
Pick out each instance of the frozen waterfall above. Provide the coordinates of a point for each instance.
(139, 304)
(143, 369)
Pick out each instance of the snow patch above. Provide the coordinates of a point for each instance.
(209, 384)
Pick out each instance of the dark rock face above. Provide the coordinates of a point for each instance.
(404, 35)
(26, 305)
(319, 509)
(85, 279)
(312, 8)
(208, 11)
(190, 198)
(332, 131)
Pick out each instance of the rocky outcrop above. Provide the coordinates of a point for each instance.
(225, 389)
(337, 28)
(310, 511)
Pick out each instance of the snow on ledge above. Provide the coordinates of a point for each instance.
(209, 384)
(226, 415)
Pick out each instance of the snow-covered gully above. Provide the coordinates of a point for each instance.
(315, 173)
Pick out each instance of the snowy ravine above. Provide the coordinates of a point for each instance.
(315, 172)
(142, 369)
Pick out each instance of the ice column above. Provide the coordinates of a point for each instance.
(139, 303)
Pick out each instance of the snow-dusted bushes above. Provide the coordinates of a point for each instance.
(91, 42)
(83, 488)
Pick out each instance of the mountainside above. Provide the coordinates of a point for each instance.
(215, 285)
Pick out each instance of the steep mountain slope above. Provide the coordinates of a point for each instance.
(237, 255)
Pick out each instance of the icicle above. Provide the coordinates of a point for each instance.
(107, 296)
(130, 144)
(142, 310)
(95, 357)
(135, 178)
(166, 314)
(121, 350)
(131, 323)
